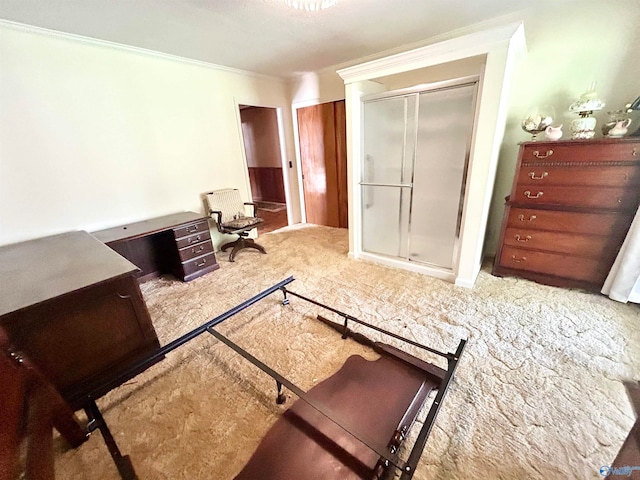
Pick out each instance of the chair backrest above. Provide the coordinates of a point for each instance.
(227, 201)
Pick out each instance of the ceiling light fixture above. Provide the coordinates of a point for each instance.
(310, 5)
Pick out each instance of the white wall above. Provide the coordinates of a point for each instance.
(569, 47)
(312, 88)
(93, 135)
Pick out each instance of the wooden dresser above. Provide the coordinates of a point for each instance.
(570, 207)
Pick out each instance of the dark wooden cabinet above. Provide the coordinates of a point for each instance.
(179, 244)
(570, 207)
(74, 307)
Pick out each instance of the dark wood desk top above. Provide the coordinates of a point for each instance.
(146, 227)
(38, 270)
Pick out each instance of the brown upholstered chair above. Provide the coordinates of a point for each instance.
(228, 211)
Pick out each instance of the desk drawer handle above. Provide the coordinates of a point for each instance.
(194, 239)
(197, 250)
(515, 259)
(192, 230)
(532, 175)
(537, 195)
(124, 297)
(520, 239)
(204, 262)
(537, 154)
(530, 219)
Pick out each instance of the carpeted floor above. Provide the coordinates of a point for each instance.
(538, 394)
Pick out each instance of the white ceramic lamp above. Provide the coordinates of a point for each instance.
(584, 127)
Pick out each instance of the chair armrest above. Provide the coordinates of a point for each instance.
(217, 219)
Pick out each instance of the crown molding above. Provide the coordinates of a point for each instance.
(470, 45)
(22, 27)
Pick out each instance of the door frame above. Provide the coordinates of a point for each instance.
(283, 152)
(296, 140)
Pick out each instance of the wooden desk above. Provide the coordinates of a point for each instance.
(179, 244)
(74, 306)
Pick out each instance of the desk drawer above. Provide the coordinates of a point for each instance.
(196, 250)
(198, 227)
(567, 266)
(193, 239)
(199, 263)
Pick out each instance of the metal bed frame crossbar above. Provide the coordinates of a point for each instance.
(408, 468)
(388, 458)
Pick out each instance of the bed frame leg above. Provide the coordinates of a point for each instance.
(345, 330)
(97, 422)
(285, 300)
(281, 397)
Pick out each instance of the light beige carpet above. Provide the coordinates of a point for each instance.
(538, 394)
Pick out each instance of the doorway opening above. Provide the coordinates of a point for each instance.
(261, 138)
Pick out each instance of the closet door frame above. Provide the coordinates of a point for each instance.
(471, 80)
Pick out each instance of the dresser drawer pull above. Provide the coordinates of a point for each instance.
(194, 229)
(634, 153)
(204, 262)
(530, 219)
(523, 240)
(532, 175)
(16, 357)
(197, 250)
(537, 154)
(194, 239)
(537, 195)
(516, 259)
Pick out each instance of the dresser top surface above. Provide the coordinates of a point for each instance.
(38, 270)
(147, 227)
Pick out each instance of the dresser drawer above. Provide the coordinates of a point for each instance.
(193, 239)
(611, 224)
(566, 266)
(559, 242)
(199, 263)
(581, 152)
(612, 198)
(196, 250)
(198, 227)
(620, 176)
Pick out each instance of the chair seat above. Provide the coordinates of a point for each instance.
(241, 223)
(228, 211)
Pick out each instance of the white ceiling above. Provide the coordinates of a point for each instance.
(263, 36)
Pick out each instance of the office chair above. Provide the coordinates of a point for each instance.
(228, 211)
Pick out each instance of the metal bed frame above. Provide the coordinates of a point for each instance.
(387, 453)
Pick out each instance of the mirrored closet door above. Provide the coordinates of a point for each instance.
(415, 155)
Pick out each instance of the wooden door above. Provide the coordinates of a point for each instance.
(322, 136)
